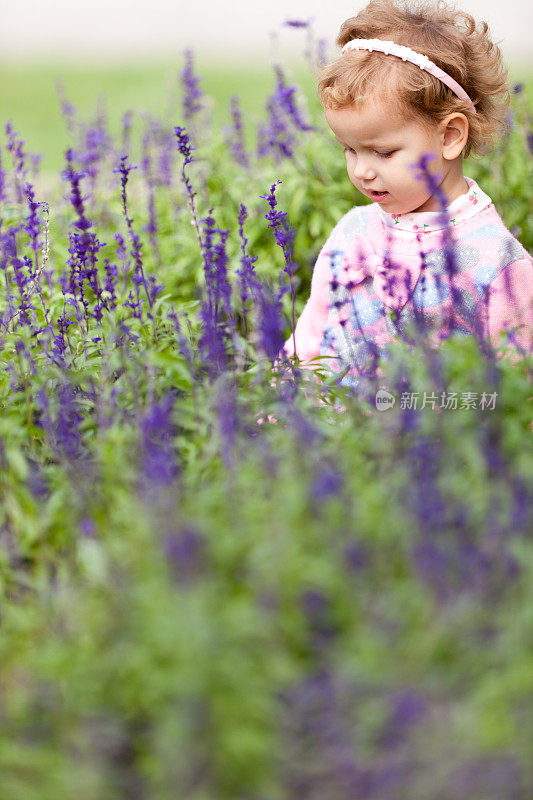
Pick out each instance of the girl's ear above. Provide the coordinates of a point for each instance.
(455, 135)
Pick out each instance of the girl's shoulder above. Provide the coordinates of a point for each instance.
(354, 223)
(488, 232)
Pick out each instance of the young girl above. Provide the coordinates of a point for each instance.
(414, 90)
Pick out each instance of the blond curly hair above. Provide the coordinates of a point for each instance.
(450, 38)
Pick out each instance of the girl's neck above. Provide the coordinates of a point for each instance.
(453, 185)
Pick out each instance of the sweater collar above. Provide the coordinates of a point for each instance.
(464, 207)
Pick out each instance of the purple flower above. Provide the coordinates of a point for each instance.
(15, 147)
(317, 610)
(127, 118)
(296, 23)
(236, 136)
(2, 180)
(32, 223)
(285, 96)
(184, 145)
(68, 111)
(277, 136)
(87, 527)
(270, 325)
(191, 85)
(228, 419)
(64, 433)
(138, 276)
(322, 54)
(248, 280)
(159, 460)
(356, 556)
(111, 272)
(328, 482)
(509, 122)
(406, 709)
(186, 551)
(212, 342)
(95, 143)
(284, 235)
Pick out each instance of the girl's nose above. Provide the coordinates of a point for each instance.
(362, 170)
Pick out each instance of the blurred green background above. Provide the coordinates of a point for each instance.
(29, 98)
(28, 95)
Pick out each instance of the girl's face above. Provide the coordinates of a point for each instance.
(380, 149)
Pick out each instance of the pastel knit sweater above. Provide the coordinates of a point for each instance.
(378, 272)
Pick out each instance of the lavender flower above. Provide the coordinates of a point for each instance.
(284, 235)
(191, 85)
(95, 143)
(236, 138)
(327, 483)
(68, 111)
(159, 461)
(111, 272)
(2, 180)
(228, 419)
(15, 147)
(277, 136)
(78, 202)
(270, 324)
(285, 96)
(127, 118)
(317, 610)
(184, 145)
(248, 280)
(212, 342)
(296, 23)
(64, 431)
(136, 250)
(185, 149)
(32, 223)
(186, 551)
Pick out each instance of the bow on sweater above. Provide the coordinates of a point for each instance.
(393, 283)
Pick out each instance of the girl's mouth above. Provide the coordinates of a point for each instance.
(378, 195)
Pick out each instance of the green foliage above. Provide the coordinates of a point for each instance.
(216, 606)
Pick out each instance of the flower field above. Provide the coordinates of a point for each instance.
(197, 602)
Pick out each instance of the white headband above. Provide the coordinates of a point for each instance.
(406, 54)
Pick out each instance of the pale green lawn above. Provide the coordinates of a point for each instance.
(28, 96)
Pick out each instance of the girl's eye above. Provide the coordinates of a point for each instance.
(381, 155)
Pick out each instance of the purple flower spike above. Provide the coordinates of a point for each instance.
(284, 235)
(184, 145)
(136, 250)
(236, 136)
(2, 180)
(191, 84)
(186, 551)
(296, 23)
(159, 461)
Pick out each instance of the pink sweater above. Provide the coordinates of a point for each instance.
(378, 272)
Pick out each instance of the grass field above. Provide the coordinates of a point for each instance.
(28, 95)
(29, 98)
